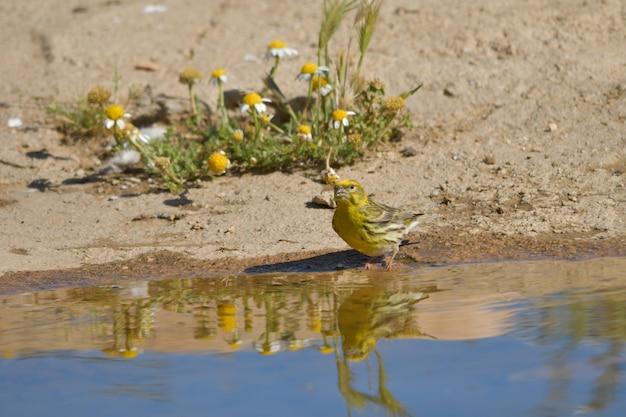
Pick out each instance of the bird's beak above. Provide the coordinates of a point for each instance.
(340, 192)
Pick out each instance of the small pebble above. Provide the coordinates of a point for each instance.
(552, 127)
(408, 151)
(154, 8)
(15, 122)
(325, 200)
(489, 160)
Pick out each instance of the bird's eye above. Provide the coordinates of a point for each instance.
(352, 188)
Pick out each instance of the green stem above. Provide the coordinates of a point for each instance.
(308, 96)
(257, 127)
(275, 66)
(192, 100)
(276, 128)
(220, 103)
(318, 113)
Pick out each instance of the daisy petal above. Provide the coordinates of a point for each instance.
(108, 123)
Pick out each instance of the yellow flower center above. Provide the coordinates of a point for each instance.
(304, 129)
(129, 354)
(308, 68)
(114, 112)
(218, 162)
(252, 98)
(220, 72)
(326, 350)
(339, 115)
(276, 44)
(318, 82)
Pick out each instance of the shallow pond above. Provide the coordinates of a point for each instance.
(522, 339)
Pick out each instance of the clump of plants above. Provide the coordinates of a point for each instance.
(339, 116)
(84, 118)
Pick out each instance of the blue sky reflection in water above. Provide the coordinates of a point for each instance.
(526, 339)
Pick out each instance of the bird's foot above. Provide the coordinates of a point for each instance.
(368, 266)
(388, 261)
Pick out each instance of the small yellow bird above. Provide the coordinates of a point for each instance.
(371, 228)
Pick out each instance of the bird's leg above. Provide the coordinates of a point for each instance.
(370, 263)
(389, 259)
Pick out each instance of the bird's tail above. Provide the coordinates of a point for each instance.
(413, 221)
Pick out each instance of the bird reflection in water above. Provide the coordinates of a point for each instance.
(366, 316)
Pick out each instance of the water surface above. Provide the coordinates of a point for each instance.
(522, 339)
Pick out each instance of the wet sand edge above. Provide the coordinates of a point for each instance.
(442, 248)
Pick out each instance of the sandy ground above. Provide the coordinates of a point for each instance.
(520, 139)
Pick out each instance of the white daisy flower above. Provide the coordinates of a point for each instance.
(254, 101)
(340, 118)
(304, 132)
(309, 69)
(320, 83)
(219, 76)
(277, 48)
(115, 116)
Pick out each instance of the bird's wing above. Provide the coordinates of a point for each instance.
(384, 222)
(382, 213)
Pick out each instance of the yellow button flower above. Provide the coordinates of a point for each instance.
(309, 69)
(394, 104)
(237, 135)
(340, 118)
(219, 76)
(278, 48)
(227, 317)
(254, 101)
(98, 95)
(218, 162)
(189, 76)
